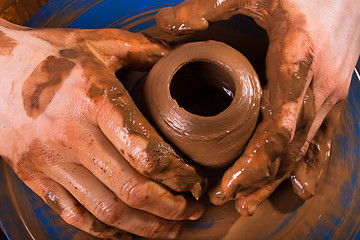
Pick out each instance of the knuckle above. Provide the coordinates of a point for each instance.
(75, 216)
(109, 213)
(288, 117)
(160, 155)
(152, 229)
(136, 195)
(276, 143)
(179, 211)
(338, 96)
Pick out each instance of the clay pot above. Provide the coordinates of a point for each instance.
(205, 98)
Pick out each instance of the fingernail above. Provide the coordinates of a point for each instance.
(197, 215)
(198, 211)
(217, 198)
(199, 188)
(252, 206)
(175, 230)
(196, 191)
(242, 208)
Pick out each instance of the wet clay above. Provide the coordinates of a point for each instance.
(215, 130)
(122, 236)
(98, 226)
(7, 44)
(309, 169)
(43, 83)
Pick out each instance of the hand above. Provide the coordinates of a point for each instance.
(313, 48)
(75, 137)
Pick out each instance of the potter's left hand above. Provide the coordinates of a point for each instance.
(71, 132)
(313, 49)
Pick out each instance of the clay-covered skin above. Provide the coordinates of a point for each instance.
(7, 44)
(310, 168)
(176, 86)
(311, 56)
(76, 138)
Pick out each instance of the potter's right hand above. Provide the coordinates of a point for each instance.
(71, 132)
(314, 46)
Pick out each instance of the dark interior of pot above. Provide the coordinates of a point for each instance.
(202, 88)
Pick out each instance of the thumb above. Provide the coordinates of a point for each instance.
(195, 15)
(118, 48)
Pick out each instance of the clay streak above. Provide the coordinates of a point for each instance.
(7, 44)
(42, 85)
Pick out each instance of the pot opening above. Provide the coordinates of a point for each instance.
(203, 88)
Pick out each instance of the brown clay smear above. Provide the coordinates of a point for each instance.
(98, 226)
(298, 80)
(69, 53)
(24, 168)
(107, 85)
(7, 44)
(41, 86)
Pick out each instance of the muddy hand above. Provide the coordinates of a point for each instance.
(309, 169)
(309, 64)
(75, 137)
(306, 172)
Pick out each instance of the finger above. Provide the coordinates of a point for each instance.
(309, 169)
(314, 109)
(247, 205)
(137, 141)
(118, 48)
(288, 80)
(115, 48)
(103, 203)
(195, 15)
(137, 191)
(61, 201)
(185, 18)
(297, 147)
